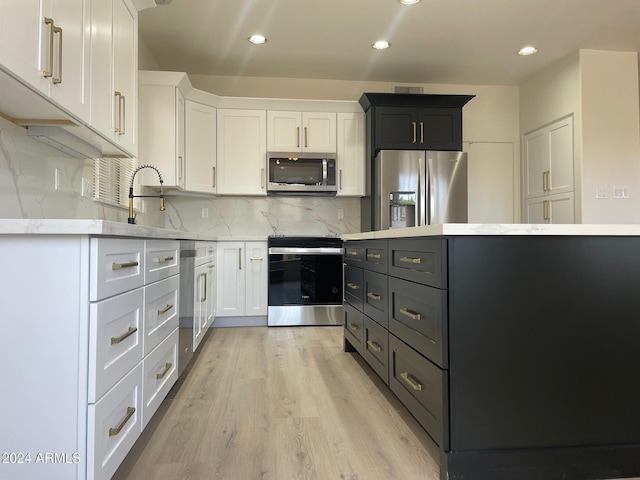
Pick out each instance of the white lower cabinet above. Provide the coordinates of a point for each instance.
(94, 354)
(242, 279)
(204, 290)
(557, 208)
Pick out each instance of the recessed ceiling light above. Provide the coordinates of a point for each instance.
(524, 51)
(258, 39)
(409, 2)
(381, 45)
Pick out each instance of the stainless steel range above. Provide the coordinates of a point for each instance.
(305, 281)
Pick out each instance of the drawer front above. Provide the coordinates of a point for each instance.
(161, 301)
(115, 340)
(354, 254)
(376, 298)
(114, 425)
(376, 348)
(418, 316)
(205, 252)
(419, 260)
(354, 286)
(375, 256)
(354, 327)
(117, 265)
(160, 373)
(422, 387)
(162, 259)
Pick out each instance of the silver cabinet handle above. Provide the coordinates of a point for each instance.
(164, 310)
(353, 327)
(353, 286)
(240, 259)
(546, 183)
(546, 211)
(412, 382)
(374, 296)
(120, 266)
(421, 132)
(165, 259)
(58, 79)
(204, 299)
(414, 132)
(412, 315)
(116, 431)
(340, 179)
(411, 260)
(213, 173)
(180, 167)
(128, 333)
(123, 113)
(255, 259)
(374, 255)
(167, 367)
(374, 346)
(298, 137)
(117, 122)
(262, 178)
(353, 253)
(306, 138)
(48, 73)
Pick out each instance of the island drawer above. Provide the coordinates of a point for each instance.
(160, 373)
(418, 316)
(354, 253)
(375, 256)
(117, 265)
(422, 387)
(376, 348)
(422, 260)
(160, 311)
(354, 327)
(354, 286)
(161, 259)
(376, 298)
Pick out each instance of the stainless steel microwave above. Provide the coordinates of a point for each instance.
(302, 174)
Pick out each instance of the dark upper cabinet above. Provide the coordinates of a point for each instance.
(414, 122)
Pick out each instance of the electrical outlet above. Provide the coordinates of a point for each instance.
(340, 214)
(57, 179)
(85, 189)
(620, 192)
(205, 212)
(601, 192)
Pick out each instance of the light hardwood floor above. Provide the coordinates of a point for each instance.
(280, 403)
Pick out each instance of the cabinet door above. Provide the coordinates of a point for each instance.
(200, 147)
(350, 154)
(558, 209)
(199, 304)
(256, 277)
(395, 128)
(284, 131)
(125, 73)
(318, 132)
(211, 294)
(102, 89)
(242, 152)
(230, 289)
(440, 128)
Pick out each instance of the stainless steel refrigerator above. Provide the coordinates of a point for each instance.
(419, 187)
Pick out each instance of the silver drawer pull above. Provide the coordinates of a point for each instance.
(374, 346)
(353, 253)
(353, 327)
(167, 367)
(412, 315)
(374, 296)
(353, 286)
(164, 259)
(416, 261)
(374, 255)
(165, 309)
(131, 331)
(116, 431)
(412, 382)
(120, 266)
(256, 259)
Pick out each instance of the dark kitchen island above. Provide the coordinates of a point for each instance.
(516, 347)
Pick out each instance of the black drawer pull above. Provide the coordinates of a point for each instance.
(412, 382)
(412, 315)
(374, 296)
(374, 346)
(352, 326)
(416, 261)
(353, 286)
(374, 255)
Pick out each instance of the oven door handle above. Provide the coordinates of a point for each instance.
(306, 251)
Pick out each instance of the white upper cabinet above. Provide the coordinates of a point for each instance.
(45, 43)
(301, 132)
(200, 147)
(242, 152)
(351, 154)
(114, 60)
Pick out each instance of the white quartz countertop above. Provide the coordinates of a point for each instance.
(452, 229)
(103, 227)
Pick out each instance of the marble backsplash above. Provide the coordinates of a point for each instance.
(263, 216)
(27, 191)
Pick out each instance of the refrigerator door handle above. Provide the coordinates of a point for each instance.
(423, 191)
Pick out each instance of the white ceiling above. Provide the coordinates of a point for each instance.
(435, 41)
